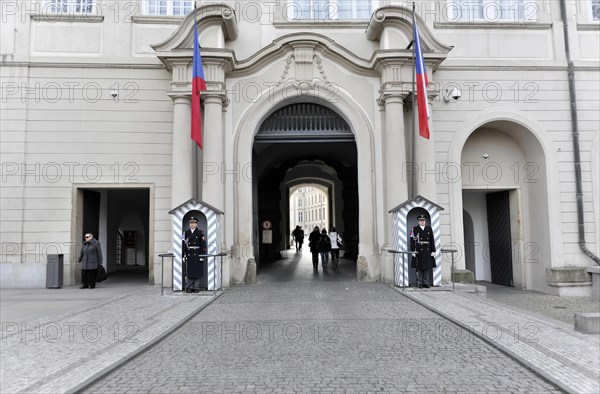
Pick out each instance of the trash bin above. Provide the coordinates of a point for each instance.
(54, 271)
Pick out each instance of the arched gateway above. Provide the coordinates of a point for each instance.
(367, 96)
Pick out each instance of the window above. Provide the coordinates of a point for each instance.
(596, 10)
(168, 7)
(492, 10)
(300, 217)
(71, 6)
(323, 10)
(300, 202)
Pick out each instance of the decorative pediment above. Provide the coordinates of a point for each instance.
(400, 18)
(305, 48)
(303, 54)
(207, 16)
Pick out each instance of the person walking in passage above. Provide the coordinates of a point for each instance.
(324, 249)
(336, 242)
(194, 245)
(90, 258)
(298, 235)
(313, 243)
(422, 245)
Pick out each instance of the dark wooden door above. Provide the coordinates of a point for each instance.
(498, 216)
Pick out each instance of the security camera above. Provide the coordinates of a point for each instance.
(452, 94)
(114, 93)
(485, 156)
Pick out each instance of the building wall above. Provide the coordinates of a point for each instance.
(62, 128)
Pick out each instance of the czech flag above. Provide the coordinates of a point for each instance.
(198, 85)
(422, 82)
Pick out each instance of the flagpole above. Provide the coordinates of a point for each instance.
(414, 106)
(197, 184)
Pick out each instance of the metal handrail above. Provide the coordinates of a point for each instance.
(452, 251)
(221, 255)
(162, 270)
(403, 261)
(172, 256)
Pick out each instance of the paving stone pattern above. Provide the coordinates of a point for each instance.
(555, 307)
(61, 353)
(316, 337)
(568, 358)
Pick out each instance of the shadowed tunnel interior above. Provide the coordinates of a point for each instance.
(303, 144)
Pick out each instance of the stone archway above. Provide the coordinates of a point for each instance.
(362, 129)
(502, 150)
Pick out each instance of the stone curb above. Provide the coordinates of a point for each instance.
(549, 378)
(105, 371)
(73, 367)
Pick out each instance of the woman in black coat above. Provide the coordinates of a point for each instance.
(90, 259)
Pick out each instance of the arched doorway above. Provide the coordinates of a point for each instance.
(299, 144)
(245, 210)
(504, 190)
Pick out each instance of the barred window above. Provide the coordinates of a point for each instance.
(324, 10)
(167, 7)
(492, 10)
(71, 6)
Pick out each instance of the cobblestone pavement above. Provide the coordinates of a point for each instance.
(552, 348)
(61, 353)
(555, 307)
(339, 337)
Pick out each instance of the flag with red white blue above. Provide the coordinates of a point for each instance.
(422, 82)
(198, 85)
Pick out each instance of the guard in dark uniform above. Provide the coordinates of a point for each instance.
(194, 245)
(422, 245)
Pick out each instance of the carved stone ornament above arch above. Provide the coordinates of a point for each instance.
(400, 18)
(207, 16)
(300, 49)
(304, 47)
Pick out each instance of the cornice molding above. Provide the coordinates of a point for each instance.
(330, 24)
(591, 26)
(392, 93)
(64, 64)
(493, 25)
(53, 18)
(157, 20)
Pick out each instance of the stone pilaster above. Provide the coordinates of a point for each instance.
(182, 168)
(426, 169)
(214, 171)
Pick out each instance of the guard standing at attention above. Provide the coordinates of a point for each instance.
(422, 245)
(193, 246)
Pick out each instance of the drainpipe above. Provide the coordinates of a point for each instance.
(575, 134)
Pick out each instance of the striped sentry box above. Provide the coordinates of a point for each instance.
(401, 241)
(213, 241)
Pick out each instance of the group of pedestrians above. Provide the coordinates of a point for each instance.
(322, 243)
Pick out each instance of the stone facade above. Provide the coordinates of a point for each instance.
(97, 107)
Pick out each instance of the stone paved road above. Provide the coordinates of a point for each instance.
(320, 337)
